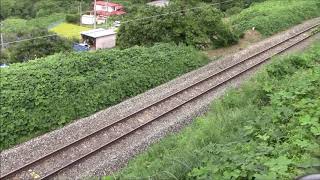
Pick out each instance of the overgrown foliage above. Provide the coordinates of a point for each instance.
(273, 16)
(222, 5)
(73, 18)
(201, 28)
(47, 93)
(268, 129)
(19, 25)
(32, 49)
(28, 9)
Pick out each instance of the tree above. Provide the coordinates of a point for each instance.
(28, 50)
(201, 28)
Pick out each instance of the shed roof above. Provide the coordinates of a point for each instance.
(110, 4)
(95, 33)
(160, 3)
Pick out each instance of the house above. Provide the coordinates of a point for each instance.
(89, 19)
(99, 38)
(159, 3)
(108, 8)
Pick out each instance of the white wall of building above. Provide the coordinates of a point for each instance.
(104, 8)
(87, 19)
(106, 42)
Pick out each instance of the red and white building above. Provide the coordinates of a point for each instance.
(108, 8)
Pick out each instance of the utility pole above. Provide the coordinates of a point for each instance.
(1, 41)
(2, 44)
(95, 15)
(107, 16)
(80, 12)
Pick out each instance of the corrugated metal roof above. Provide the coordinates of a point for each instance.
(95, 33)
(160, 3)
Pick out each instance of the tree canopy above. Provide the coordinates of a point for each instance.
(201, 28)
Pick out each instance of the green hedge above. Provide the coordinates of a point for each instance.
(273, 16)
(47, 93)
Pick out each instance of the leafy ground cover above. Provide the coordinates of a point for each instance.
(268, 129)
(70, 31)
(273, 16)
(47, 93)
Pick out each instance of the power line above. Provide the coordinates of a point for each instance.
(137, 19)
(39, 37)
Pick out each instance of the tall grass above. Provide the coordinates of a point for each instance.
(273, 16)
(70, 31)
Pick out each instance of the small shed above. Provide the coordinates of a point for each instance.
(159, 3)
(99, 38)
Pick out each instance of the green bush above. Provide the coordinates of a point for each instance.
(16, 25)
(47, 93)
(38, 8)
(234, 10)
(73, 18)
(201, 28)
(268, 129)
(32, 49)
(273, 16)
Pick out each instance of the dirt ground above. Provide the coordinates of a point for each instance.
(249, 38)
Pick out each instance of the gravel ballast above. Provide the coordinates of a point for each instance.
(116, 157)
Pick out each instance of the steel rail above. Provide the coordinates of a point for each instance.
(51, 174)
(142, 109)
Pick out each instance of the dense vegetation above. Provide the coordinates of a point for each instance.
(28, 9)
(201, 28)
(35, 48)
(16, 29)
(268, 129)
(273, 15)
(47, 93)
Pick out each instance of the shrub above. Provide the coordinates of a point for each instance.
(47, 93)
(16, 25)
(232, 11)
(36, 48)
(73, 18)
(273, 16)
(201, 28)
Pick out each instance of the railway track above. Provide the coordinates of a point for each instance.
(48, 165)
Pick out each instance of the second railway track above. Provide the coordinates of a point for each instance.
(50, 164)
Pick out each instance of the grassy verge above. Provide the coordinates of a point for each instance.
(70, 31)
(273, 16)
(47, 93)
(268, 129)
